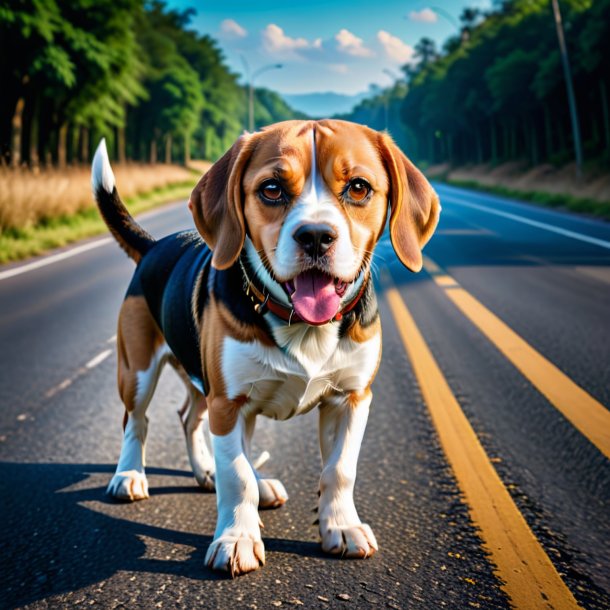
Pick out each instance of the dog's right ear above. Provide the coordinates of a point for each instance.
(217, 204)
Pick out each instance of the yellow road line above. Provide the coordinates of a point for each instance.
(588, 415)
(530, 579)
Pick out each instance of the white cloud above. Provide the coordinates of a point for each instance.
(338, 68)
(394, 47)
(229, 28)
(352, 45)
(426, 15)
(274, 40)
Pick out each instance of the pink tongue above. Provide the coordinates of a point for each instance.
(315, 298)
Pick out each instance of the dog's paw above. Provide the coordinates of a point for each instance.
(236, 554)
(349, 541)
(271, 493)
(128, 485)
(206, 480)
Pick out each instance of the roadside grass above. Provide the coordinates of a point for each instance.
(54, 230)
(591, 207)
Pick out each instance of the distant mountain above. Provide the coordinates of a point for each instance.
(320, 105)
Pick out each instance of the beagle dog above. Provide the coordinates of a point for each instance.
(267, 309)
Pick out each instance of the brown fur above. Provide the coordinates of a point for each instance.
(138, 338)
(359, 334)
(415, 206)
(355, 398)
(226, 206)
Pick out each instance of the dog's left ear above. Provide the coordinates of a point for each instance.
(217, 204)
(414, 205)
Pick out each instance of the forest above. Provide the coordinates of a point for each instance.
(133, 71)
(496, 90)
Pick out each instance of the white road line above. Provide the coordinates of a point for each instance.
(98, 359)
(534, 223)
(53, 258)
(49, 260)
(79, 373)
(112, 339)
(60, 386)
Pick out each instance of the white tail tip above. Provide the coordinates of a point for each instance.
(101, 172)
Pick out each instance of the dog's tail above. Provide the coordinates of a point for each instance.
(130, 235)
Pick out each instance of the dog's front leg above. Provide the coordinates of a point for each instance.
(237, 546)
(342, 423)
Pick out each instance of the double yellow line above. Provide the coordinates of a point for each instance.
(529, 577)
(588, 415)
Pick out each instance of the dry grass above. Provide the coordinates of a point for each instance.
(30, 198)
(544, 184)
(199, 166)
(595, 185)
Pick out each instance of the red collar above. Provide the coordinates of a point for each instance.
(265, 302)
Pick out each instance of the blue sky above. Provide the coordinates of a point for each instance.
(324, 45)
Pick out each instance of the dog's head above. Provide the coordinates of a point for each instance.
(312, 199)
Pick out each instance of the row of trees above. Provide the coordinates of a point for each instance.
(496, 91)
(130, 70)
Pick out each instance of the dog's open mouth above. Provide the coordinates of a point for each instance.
(315, 295)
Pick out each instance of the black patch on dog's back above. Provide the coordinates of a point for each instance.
(167, 277)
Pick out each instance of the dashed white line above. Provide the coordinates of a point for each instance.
(98, 359)
(534, 223)
(60, 386)
(95, 361)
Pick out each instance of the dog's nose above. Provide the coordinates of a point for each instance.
(315, 239)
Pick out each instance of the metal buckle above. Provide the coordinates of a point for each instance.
(260, 307)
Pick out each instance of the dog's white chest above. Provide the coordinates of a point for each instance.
(280, 383)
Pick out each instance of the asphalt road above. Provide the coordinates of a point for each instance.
(546, 275)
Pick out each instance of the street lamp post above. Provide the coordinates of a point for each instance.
(251, 79)
(570, 88)
(386, 97)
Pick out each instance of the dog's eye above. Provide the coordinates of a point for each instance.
(358, 190)
(271, 191)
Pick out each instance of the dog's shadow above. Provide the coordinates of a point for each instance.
(53, 541)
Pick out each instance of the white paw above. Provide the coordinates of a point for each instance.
(271, 493)
(236, 554)
(205, 480)
(349, 541)
(128, 485)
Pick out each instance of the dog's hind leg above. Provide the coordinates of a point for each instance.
(271, 492)
(142, 353)
(194, 418)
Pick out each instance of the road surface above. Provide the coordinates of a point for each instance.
(510, 319)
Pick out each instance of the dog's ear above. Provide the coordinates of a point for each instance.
(217, 204)
(414, 205)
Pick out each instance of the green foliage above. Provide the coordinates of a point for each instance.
(131, 70)
(498, 91)
(382, 112)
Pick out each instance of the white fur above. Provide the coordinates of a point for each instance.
(129, 481)
(316, 204)
(101, 172)
(341, 431)
(284, 382)
(237, 545)
(313, 367)
(147, 380)
(198, 441)
(277, 292)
